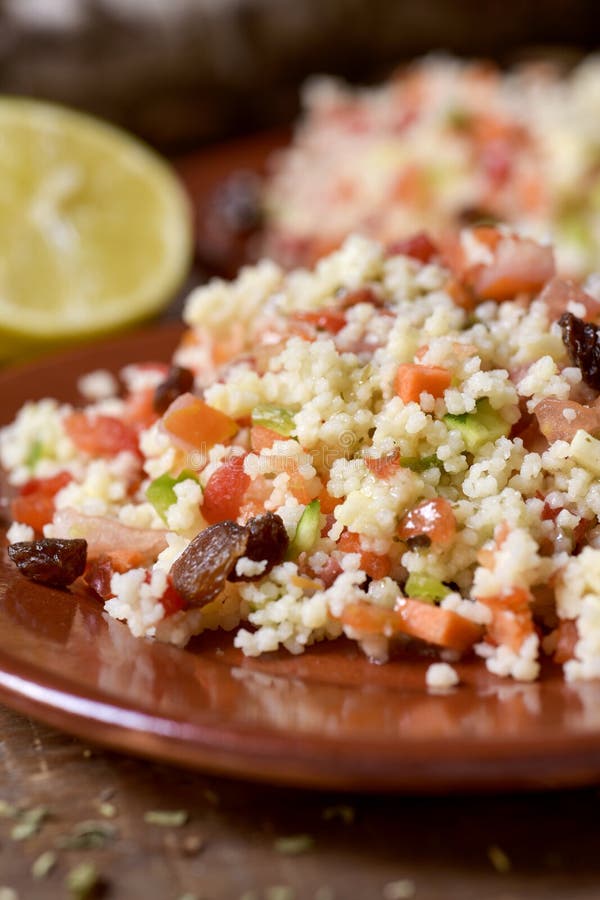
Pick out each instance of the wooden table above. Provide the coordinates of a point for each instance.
(364, 846)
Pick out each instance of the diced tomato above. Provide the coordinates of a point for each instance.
(196, 425)
(558, 294)
(411, 186)
(418, 246)
(555, 427)
(520, 265)
(432, 518)
(262, 438)
(139, 409)
(331, 320)
(374, 564)
(171, 599)
(224, 491)
(384, 466)
(413, 379)
(99, 435)
(302, 489)
(34, 503)
(359, 295)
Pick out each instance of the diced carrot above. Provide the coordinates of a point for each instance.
(328, 503)
(374, 564)
(262, 438)
(512, 622)
(487, 234)
(303, 490)
(432, 624)
(567, 637)
(432, 518)
(34, 504)
(224, 491)
(198, 424)
(412, 380)
(411, 186)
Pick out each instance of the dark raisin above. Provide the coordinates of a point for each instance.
(267, 539)
(178, 381)
(418, 542)
(51, 561)
(199, 574)
(98, 576)
(582, 340)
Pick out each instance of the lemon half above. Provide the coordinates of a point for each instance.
(95, 229)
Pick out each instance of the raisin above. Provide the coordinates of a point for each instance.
(199, 574)
(582, 340)
(178, 381)
(55, 562)
(267, 539)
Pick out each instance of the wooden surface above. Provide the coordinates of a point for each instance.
(438, 846)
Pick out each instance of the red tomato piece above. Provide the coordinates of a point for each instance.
(172, 599)
(432, 518)
(101, 435)
(34, 504)
(224, 491)
(331, 320)
(418, 246)
(375, 565)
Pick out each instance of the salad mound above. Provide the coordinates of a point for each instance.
(398, 446)
(442, 144)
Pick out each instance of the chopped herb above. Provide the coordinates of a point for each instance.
(294, 844)
(280, 892)
(499, 859)
(82, 880)
(88, 835)
(43, 865)
(7, 810)
(30, 822)
(403, 889)
(166, 818)
(343, 812)
(108, 810)
(420, 463)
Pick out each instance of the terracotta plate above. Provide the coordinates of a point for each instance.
(327, 719)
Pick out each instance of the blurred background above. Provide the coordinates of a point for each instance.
(185, 72)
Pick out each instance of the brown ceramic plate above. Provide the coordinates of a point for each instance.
(327, 719)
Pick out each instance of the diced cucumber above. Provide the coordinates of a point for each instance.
(161, 492)
(276, 418)
(483, 426)
(307, 531)
(425, 587)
